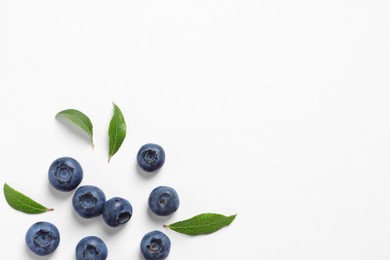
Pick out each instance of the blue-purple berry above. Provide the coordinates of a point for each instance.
(88, 201)
(91, 248)
(65, 174)
(117, 211)
(42, 238)
(163, 201)
(155, 245)
(151, 157)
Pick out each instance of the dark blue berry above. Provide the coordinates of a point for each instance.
(65, 174)
(88, 201)
(117, 211)
(91, 248)
(155, 245)
(163, 201)
(151, 157)
(42, 238)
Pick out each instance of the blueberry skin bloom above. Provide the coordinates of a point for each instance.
(42, 238)
(163, 201)
(117, 211)
(65, 174)
(155, 245)
(151, 157)
(88, 201)
(91, 248)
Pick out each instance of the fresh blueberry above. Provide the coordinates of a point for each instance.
(42, 238)
(151, 157)
(117, 211)
(88, 201)
(91, 248)
(155, 245)
(163, 201)
(65, 174)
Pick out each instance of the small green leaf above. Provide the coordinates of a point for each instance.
(80, 119)
(201, 224)
(116, 132)
(21, 202)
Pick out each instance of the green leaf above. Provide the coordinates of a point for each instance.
(21, 202)
(116, 132)
(201, 224)
(80, 119)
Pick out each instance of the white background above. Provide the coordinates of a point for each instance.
(275, 110)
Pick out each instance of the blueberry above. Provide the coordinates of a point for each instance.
(88, 201)
(155, 245)
(91, 248)
(151, 157)
(163, 201)
(65, 174)
(117, 211)
(42, 238)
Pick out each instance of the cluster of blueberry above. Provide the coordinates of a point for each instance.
(89, 201)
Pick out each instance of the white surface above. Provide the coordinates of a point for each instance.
(275, 110)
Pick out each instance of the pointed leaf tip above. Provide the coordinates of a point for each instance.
(80, 119)
(205, 223)
(21, 202)
(116, 131)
